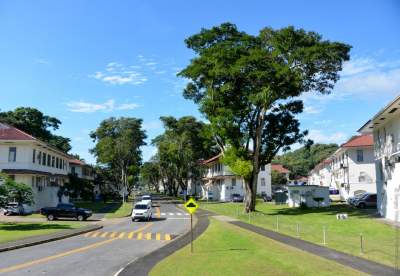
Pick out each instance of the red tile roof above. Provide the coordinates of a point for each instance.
(76, 162)
(365, 140)
(8, 132)
(279, 168)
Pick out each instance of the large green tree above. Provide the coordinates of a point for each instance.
(184, 142)
(301, 161)
(150, 175)
(248, 87)
(11, 190)
(118, 147)
(35, 123)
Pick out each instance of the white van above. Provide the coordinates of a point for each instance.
(142, 211)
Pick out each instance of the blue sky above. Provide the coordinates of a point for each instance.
(84, 61)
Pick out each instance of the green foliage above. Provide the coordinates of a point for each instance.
(246, 86)
(118, 147)
(278, 178)
(78, 187)
(14, 191)
(304, 159)
(237, 162)
(184, 142)
(35, 123)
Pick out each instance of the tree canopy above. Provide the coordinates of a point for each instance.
(11, 190)
(301, 161)
(183, 144)
(35, 123)
(118, 147)
(247, 86)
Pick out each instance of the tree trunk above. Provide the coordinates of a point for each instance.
(250, 197)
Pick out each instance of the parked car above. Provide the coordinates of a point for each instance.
(236, 198)
(142, 211)
(65, 210)
(352, 199)
(368, 200)
(14, 208)
(267, 198)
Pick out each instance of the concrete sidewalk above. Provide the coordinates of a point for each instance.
(357, 263)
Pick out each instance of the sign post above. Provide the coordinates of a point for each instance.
(191, 205)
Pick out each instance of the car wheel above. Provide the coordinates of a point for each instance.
(362, 205)
(80, 218)
(50, 217)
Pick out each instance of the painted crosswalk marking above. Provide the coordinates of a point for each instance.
(174, 214)
(134, 235)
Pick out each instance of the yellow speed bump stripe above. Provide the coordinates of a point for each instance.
(167, 237)
(95, 234)
(158, 236)
(104, 235)
(130, 236)
(47, 259)
(148, 236)
(139, 236)
(113, 234)
(121, 236)
(158, 212)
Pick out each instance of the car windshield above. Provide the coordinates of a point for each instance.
(140, 207)
(146, 198)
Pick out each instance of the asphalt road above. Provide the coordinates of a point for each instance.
(98, 253)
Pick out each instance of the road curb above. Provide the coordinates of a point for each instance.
(145, 264)
(47, 238)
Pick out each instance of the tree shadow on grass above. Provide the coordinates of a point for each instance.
(32, 226)
(219, 250)
(331, 210)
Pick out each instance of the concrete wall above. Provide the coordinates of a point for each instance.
(306, 194)
(387, 168)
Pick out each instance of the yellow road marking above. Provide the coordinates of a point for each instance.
(139, 236)
(87, 234)
(167, 237)
(95, 234)
(148, 236)
(121, 235)
(158, 236)
(158, 212)
(47, 259)
(130, 236)
(113, 234)
(104, 235)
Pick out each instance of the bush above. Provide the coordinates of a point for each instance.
(303, 205)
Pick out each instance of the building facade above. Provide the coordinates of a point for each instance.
(219, 183)
(353, 167)
(385, 128)
(33, 162)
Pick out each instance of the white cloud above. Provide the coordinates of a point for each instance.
(128, 106)
(320, 137)
(311, 110)
(117, 74)
(108, 106)
(42, 61)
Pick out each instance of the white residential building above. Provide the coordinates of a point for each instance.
(81, 170)
(353, 168)
(385, 127)
(321, 175)
(33, 162)
(221, 183)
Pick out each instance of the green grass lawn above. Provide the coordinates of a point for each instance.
(343, 235)
(225, 249)
(123, 210)
(16, 231)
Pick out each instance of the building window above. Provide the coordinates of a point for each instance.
(44, 159)
(39, 157)
(262, 168)
(360, 156)
(34, 156)
(48, 160)
(262, 181)
(12, 154)
(57, 161)
(53, 161)
(362, 178)
(233, 182)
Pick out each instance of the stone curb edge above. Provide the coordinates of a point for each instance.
(47, 238)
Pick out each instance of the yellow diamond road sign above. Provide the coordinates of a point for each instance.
(191, 205)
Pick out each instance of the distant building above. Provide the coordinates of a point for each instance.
(28, 160)
(81, 170)
(321, 175)
(281, 169)
(219, 183)
(385, 127)
(353, 167)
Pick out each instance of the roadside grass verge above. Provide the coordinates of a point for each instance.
(224, 249)
(379, 239)
(123, 210)
(11, 231)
